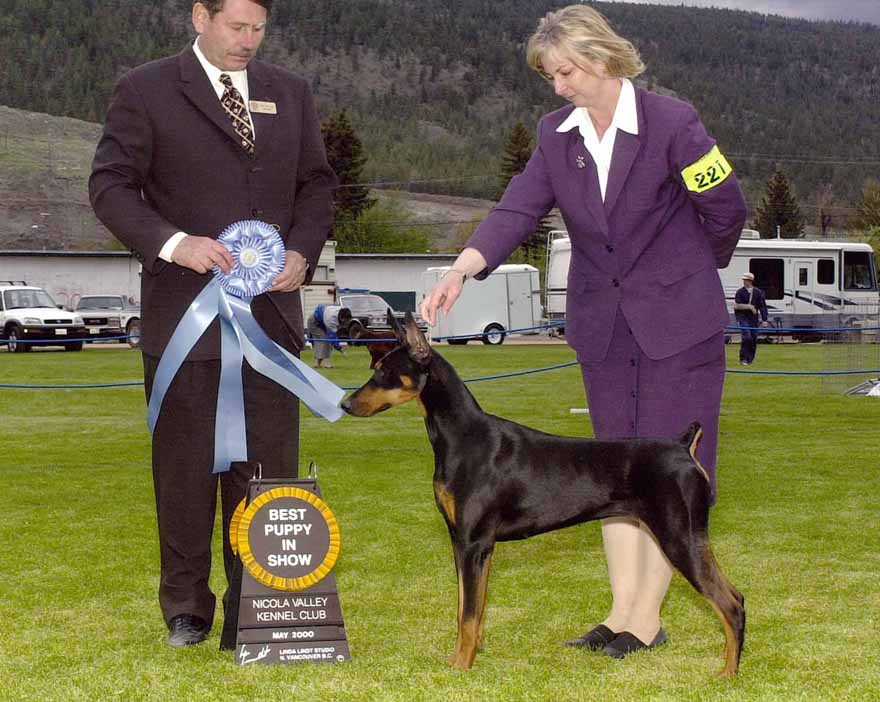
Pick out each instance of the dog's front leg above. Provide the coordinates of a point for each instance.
(473, 582)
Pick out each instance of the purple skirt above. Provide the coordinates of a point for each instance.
(631, 395)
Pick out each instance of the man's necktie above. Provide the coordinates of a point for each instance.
(234, 105)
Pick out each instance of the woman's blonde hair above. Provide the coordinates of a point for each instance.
(579, 31)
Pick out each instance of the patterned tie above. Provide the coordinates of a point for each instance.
(234, 105)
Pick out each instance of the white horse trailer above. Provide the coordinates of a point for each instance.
(809, 284)
(509, 298)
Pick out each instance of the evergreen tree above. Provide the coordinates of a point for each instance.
(345, 153)
(518, 147)
(869, 206)
(779, 208)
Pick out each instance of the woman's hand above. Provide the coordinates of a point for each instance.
(443, 295)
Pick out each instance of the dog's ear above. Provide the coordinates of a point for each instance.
(416, 343)
(395, 326)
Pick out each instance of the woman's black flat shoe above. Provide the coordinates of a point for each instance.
(626, 643)
(595, 639)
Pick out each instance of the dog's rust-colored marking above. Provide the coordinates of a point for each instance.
(470, 626)
(692, 449)
(723, 598)
(446, 501)
(369, 400)
(484, 599)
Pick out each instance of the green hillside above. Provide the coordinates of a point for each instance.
(431, 85)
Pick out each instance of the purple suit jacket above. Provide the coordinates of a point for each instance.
(652, 249)
(170, 161)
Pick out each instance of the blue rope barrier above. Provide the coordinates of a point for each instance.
(507, 332)
(60, 340)
(499, 376)
(802, 330)
(89, 386)
(480, 335)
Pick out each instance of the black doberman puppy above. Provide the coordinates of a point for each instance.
(495, 480)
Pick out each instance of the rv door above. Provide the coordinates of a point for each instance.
(807, 297)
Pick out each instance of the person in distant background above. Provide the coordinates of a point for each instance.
(326, 322)
(750, 308)
(653, 210)
(193, 143)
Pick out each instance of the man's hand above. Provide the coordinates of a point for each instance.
(201, 254)
(293, 275)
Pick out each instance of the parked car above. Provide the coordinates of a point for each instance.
(28, 313)
(110, 316)
(371, 310)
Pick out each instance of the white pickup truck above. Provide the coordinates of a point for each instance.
(110, 317)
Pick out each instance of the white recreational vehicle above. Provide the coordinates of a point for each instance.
(509, 298)
(809, 284)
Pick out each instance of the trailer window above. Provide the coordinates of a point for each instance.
(858, 273)
(769, 276)
(803, 277)
(825, 271)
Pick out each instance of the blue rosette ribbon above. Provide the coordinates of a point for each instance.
(258, 254)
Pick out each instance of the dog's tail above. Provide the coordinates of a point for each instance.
(690, 439)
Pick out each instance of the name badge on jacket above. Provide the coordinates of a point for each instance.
(261, 107)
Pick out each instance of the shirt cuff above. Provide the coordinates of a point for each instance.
(167, 250)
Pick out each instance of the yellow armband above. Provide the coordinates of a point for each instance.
(709, 171)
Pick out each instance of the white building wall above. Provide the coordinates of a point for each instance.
(67, 276)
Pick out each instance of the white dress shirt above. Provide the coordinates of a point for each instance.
(240, 83)
(625, 118)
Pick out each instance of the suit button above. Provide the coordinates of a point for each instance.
(609, 248)
(615, 283)
(255, 212)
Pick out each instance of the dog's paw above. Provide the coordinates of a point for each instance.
(460, 661)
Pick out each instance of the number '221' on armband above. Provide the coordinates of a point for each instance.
(711, 170)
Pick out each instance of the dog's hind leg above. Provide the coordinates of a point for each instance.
(473, 582)
(685, 541)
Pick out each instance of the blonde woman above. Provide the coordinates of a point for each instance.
(653, 209)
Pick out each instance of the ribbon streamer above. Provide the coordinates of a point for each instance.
(258, 255)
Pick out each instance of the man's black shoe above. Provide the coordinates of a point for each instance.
(186, 630)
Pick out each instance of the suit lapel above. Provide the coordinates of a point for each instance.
(260, 88)
(199, 91)
(584, 173)
(626, 146)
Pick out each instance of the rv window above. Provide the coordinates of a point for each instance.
(825, 271)
(857, 271)
(769, 276)
(803, 277)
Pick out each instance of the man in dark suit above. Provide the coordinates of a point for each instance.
(191, 144)
(750, 308)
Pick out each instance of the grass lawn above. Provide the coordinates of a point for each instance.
(796, 528)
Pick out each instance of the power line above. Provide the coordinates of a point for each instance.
(819, 160)
(382, 183)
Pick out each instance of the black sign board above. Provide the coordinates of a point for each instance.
(287, 539)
